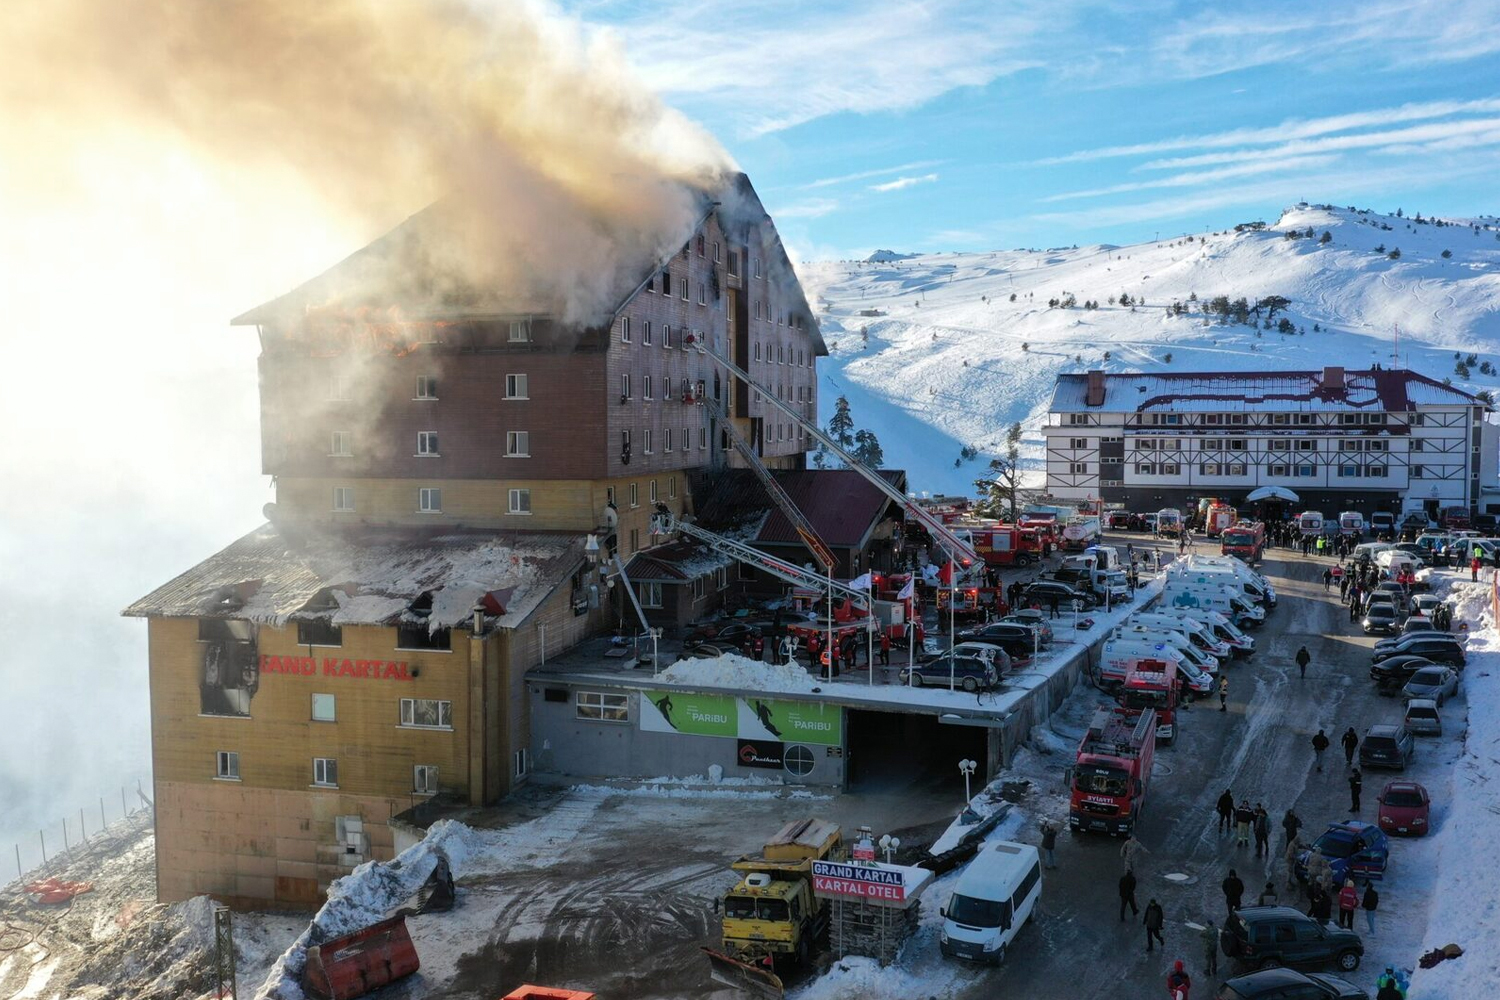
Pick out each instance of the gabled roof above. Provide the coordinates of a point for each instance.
(1392, 390)
(675, 562)
(843, 508)
(370, 578)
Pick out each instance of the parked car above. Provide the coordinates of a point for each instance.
(1391, 674)
(1386, 746)
(1439, 647)
(1148, 523)
(960, 668)
(1434, 682)
(1119, 520)
(1032, 619)
(1289, 984)
(1380, 616)
(1425, 604)
(1397, 592)
(1417, 623)
(731, 634)
(1044, 592)
(1354, 849)
(1404, 808)
(1016, 640)
(1422, 717)
(1281, 935)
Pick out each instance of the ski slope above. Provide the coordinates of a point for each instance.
(948, 360)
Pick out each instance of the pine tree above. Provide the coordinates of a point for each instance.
(1327, 237)
(867, 449)
(841, 424)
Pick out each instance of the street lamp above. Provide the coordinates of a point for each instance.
(889, 844)
(655, 634)
(968, 767)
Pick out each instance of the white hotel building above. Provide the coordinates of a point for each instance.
(1383, 439)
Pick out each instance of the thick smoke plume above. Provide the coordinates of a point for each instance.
(561, 174)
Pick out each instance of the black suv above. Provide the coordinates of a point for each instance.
(1281, 935)
(1386, 746)
(1439, 647)
(1018, 641)
(1391, 675)
(1286, 984)
(1043, 592)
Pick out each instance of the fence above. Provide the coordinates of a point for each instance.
(73, 836)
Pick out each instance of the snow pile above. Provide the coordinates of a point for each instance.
(958, 347)
(678, 791)
(731, 670)
(1466, 901)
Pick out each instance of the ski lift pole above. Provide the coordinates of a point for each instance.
(870, 662)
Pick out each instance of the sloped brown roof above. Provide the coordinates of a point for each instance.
(675, 562)
(841, 505)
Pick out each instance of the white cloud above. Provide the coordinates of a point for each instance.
(1200, 177)
(1416, 135)
(904, 182)
(867, 174)
(808, 208)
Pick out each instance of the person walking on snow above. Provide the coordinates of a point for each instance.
(1154, 922)
(1327, 579)
(1243, 817)
(1293, 848)
(1130, 850)
(1290, 824)
(1178, 982)
(1356, 782)
(1320, 743)
(1234, 889)
(1348, 903)
(1262, 826)
(1225, 808)
(1350, 740)
(1127, 896)
(1049, 842)
(1370, 902)
(1223, 694)
(1303, 659)
(1210, 947)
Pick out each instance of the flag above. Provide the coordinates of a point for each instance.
(910, 590)
(945, 575)
(862, 582)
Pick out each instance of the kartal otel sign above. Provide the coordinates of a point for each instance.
(859, 881)
(375, 670)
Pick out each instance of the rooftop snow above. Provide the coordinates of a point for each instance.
(1387, 390)
(369, 579)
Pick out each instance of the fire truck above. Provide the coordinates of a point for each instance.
(1218, 518)
(1112, 772)
(1006, 544)
(1247, 539)
(1152, 686)
(971, 604)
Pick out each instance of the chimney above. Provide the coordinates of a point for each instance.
(1333, 377)
(1095, 394)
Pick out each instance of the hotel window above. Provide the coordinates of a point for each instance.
(1078, 443)
(517, 444)
(716, 251)
(597, 706)
(426, 713)
(651, 490)
(672, 488)
(1349, 471)
(1145, 469)
(1280, 419)
(424, 779)
(1307, 446)
(1236, 444)
(1375, 471)
(427, 387)
(1237, 469)
(666, 441)
(1278, 471)
(1375, 446)
(520, 331)
(734, 263)
(325, 772)
(1077, 468)
(429, 500)
(1417, 444)
(683, 287)
(650, 595)
(1213, 444)
(1349, 445)
(1236, 418)
(1078, 418)
(780, 354)
(699, 244)
(625, 329)
(1280, 446)
(324, 708)
(687, 439)
(1418, 472)
(1418, 420)
(757, 350)
(635, 496)
(521, 763)
(1170, 469)
(1213, 418)
(646, 332)
(420, 637)
(625, 386)
(427, 444)
(227, 765)
(755, 263)
(343, 499)
(319, 632)
(516, 387)
(646, 389)
(666, 335)
(338, 389)
(1306, 471)
(342, 445)
(1208, 469)
(646, 441)
(703, 437)
(1305, 420)
(651, 283)
(520, 502)
(666, 283)
(702, 300)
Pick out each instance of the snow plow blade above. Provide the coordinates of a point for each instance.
(744, 976)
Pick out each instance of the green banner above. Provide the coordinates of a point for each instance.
(691, 714)
(791, 721)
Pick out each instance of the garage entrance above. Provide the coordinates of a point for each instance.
(896, 751)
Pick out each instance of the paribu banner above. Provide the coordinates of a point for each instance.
(741, 718)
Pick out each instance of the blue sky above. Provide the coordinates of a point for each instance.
(951, 125)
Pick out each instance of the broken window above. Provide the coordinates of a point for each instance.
(319, 632)
(418, 637)
(427, 713)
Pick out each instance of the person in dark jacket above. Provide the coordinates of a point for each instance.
(1243, 817)
(1319, 743)
(1350, 740)
(1127, 896)
(1303, 659)
(1210, 947)
(1049, 842)
(1356, 783)
(1225, 808)
(1262, 826)
(1290, 824)
(1322, 905)
(1370, 902)
(1234, 889)
(1390, 991)
(1154, 922)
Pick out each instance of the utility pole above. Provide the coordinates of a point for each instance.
(224, 969)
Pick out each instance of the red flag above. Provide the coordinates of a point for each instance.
(945, 575)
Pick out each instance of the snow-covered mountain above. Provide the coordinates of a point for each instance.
(939, 352)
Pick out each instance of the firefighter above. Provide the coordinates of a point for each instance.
(885, 649)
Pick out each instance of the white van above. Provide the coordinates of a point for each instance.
(1173, 638)
(1201, 635)
(1310, 522)
(1220, 626)
(1237, 566)
(1226, 601)
(994, 898)
(1254, 586)
(1117, 654)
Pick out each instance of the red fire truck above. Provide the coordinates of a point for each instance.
(971, 604)
(1152, 686)
(1007, 544)
(1112, 771)
(1046, 525)
(1247, 539)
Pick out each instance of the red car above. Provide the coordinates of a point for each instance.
(1404, 808)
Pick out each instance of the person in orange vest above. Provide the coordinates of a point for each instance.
(885, 649)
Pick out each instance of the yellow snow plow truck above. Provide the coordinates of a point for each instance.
(772, 919)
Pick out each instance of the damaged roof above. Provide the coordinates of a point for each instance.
(843, 508)
(1390, 390)
(675, 562)
(371, 578)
